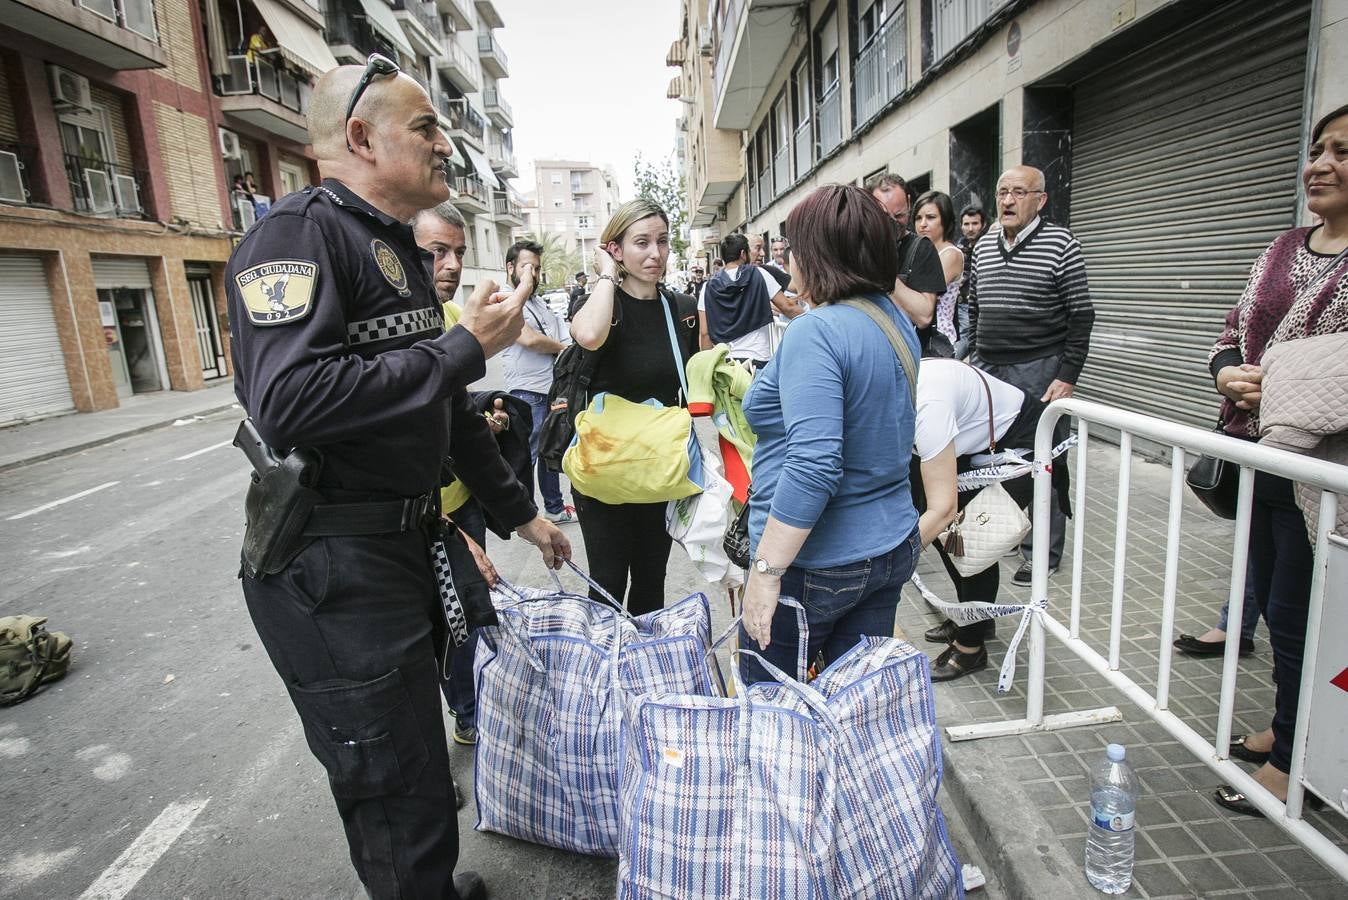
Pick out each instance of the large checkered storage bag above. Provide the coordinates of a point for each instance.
(550, 684)
(824, 791)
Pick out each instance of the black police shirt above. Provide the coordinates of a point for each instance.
(339, 345)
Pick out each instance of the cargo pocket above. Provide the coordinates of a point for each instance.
(366, 734)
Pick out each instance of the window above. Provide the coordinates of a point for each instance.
(827, 41)
(584, 222)
(870, 14)
(556, 204)
(556, 177)
(85, 134)
(292, 177)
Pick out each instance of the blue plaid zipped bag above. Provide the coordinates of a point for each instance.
(551, 680)
(819, 791)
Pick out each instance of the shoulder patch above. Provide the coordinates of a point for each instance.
(279, 291)
(390, 266)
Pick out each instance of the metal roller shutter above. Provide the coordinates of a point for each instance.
(1184, 168)
(120, 272)
(33, 379)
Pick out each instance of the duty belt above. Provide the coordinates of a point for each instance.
(372, 517)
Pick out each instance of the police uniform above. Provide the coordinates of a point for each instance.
(338, 345)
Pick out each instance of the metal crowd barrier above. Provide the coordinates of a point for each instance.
(1331, 479)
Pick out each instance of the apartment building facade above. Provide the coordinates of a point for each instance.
(573, 200)
(1170, 132)
(140, 138)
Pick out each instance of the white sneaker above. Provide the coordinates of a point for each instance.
(565, 517)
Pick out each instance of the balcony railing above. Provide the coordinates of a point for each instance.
(462, 117)
(830, 121)
(471, 186)
(133, 15)
(882, 68)
(266, 77)
(954, 20)
(804, 149)
(16, 161)
(425, 13)
(344, 29)
(503, 205)
(501, 156)
(492, 99)
(456, 61)
(725, 43)
(487, 45)
(103, 188)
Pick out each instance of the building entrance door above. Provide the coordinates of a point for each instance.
(207, 326)
(131, 341)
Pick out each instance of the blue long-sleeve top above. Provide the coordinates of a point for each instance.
(834, 419)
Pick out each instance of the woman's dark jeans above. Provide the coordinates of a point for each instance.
(842, 603)
(1280, 563)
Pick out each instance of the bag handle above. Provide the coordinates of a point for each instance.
(666, 301)
(987, 389)
(40, 660)
(896, 341)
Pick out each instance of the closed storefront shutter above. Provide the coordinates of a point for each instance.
(33, 379)
(1184, 168)
(121, 272)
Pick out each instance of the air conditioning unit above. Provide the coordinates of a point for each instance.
(128, 194)
(68, 90)
(229, 144)
(247, 215)
(99, 187)
(11, 178)
(704, 40)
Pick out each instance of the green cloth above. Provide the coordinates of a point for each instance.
(716, 386)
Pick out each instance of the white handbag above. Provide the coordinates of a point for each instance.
(991, 524)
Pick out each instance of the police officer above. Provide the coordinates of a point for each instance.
(338, 348)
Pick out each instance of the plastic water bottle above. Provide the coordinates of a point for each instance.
(1109, 846)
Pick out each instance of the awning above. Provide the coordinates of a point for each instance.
(300, 42)
(483, 167)
(382, 20)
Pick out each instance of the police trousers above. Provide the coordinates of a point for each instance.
(351, 627)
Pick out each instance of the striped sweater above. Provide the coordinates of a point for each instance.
(1031, 301)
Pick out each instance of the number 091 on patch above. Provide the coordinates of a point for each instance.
(279, 291)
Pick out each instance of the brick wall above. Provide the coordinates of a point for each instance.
(178, 39)
(187, 148)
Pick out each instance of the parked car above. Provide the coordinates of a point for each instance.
(557, 301)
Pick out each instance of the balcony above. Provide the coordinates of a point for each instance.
(458, 66)
(716, 173)
(353, 40)
(421, 24)
(104, 189)
(754, 40)
(461, 120)
(486, 11)
(830, 121)
(473, 195)
(498, 110)
(267, 95)
(954, 20)
(16, 161)
(881, 71)
(507, 209)
(494, 61)
(118, 34)
(459, 12)
(502, 159)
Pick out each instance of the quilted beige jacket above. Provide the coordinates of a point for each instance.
(1305, 409)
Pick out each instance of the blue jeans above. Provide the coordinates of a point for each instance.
(1249, 613)
(549, 484)
(842, 604)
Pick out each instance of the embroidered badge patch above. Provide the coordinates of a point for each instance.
(390, 266)
(279, 291)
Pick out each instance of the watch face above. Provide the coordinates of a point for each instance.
(761, 565)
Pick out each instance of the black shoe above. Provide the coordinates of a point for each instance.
(1234, 800)
(458, 793)
(465, 735)
(952, 664)
(470, 886)
(1023, 574)
(941, 634)
(1192, 646)
(1240, 751)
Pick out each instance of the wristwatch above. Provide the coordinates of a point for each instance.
(761, 567)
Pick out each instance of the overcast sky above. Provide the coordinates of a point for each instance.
(587, 81)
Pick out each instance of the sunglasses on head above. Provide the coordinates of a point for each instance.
(375, 66)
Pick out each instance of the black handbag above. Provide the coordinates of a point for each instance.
(1215, 482)
(736, 541)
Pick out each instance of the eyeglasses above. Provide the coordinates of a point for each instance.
(375, 66)
(1018, 193)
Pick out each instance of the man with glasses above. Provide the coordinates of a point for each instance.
(1030, 312)
(339, 352)
(921, 278)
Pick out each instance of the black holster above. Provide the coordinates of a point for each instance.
(277, 508)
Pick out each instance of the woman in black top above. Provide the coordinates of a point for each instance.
(623, 320)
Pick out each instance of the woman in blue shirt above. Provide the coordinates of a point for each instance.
(831, 518)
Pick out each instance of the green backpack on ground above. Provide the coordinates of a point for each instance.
(30, 656)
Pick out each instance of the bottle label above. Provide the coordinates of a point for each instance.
(1118, 822)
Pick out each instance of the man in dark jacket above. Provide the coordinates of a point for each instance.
(737, 305)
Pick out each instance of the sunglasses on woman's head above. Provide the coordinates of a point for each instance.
(375, 66)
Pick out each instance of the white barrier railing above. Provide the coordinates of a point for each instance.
(1330, 479)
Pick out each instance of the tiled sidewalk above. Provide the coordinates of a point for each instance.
(1187, 845)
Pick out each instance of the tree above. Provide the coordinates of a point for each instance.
(560, 261)
(659, 182)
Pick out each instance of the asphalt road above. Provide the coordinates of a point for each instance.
(170, 763)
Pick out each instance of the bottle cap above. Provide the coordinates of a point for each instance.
(1116, 752)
